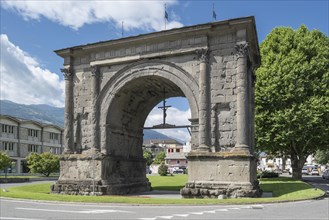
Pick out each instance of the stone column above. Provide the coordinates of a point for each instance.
(242, 118)
(68, 116)
(204, 102)
(95, 109)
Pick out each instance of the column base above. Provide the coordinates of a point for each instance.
(93, 173)
(242, 148)
(87, 188)
(220, 190)
(221, 175)
(203, 148)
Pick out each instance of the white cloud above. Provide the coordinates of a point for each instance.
(24, 81)
(174, 117)
(74, 14)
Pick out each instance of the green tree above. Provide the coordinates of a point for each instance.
(162, 170)
(322, 156)
(5, 162)
(148, 157)
(160, 157)
(45, 163)
(292, 94)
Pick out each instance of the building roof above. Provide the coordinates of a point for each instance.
(25, 121)
(161, 141)
(175, 156)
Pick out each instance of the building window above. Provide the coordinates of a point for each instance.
(33, 133)
(7, 129)
(32, 148)
(56, 150)
(9, 146)
(177, 150)
(178, 161)
(53, 136)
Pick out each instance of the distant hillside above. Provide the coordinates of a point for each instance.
(52, 115)
(42, 113)
(151, 134)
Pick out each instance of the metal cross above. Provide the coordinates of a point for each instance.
(164, 107)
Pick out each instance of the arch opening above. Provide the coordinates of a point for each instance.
(128, 112)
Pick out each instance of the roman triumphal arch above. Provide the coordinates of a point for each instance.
(112, 86)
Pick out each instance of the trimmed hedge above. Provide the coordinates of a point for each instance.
(267, 174)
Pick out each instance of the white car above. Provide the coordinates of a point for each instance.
(325, 175)
(315, 172)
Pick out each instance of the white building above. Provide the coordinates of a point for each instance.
(19, 138)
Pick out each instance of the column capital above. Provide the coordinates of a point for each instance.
(94, 70)
(67, 73)
(203, 54)
(241, 49)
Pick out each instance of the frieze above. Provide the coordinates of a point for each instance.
(155, 47)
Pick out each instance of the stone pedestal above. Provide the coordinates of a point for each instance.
(83, 174)
(221, 175)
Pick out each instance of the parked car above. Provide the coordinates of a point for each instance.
(305, 171)
(178, 171)
(315, 172)
(325, 175)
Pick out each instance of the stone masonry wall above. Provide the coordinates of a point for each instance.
(222, 70)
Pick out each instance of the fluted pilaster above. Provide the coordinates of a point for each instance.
(95, 77)
(242, 118)
(204, 102)
(69, 106)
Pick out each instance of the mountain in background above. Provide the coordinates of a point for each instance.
(52, 115)
(41, 113)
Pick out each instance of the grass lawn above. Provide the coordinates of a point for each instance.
(283, 189)
(28, 176)
(10, 177)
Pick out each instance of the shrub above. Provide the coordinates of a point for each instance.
(5, 161)
(45, 163)
(162, 170)
(267, 174)
(160, 158)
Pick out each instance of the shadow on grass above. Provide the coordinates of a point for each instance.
(168, 188)
(283, 186)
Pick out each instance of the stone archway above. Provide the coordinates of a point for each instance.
(112, 86)
(137, 90)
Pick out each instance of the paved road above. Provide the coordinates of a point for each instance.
(31, 210)
(317, 182)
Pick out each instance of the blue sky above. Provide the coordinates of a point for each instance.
(31, 30)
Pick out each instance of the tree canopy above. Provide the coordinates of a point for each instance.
(148, 157)
(160, 157)
(292, 94)
(5, 161)
(45, 163)
(322, 156)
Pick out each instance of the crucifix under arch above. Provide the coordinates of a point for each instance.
(164, 107)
